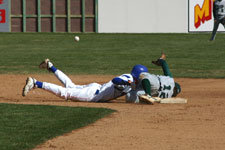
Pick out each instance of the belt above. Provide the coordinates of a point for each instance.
(97, 92)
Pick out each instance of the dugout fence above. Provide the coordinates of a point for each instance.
(53, 15)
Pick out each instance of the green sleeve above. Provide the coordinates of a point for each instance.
(146, 86)
(165, 68)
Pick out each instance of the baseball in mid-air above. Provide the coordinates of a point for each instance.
(76, 38)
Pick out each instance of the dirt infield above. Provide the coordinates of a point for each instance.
(197, 125)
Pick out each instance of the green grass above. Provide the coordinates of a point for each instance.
(25, 126)
(189, 55)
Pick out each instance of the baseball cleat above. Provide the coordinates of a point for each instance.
(146, 99)
(30, 84)
(46, 64)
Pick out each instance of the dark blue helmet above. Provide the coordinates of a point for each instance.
(137, 70)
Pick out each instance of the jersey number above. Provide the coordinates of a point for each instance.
(221, 9)
(163, 94)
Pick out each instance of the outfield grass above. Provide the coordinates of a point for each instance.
(25, 126)
(189, 55)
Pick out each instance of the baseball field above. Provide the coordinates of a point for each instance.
(43, 121)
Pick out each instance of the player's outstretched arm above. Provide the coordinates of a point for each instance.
(165, 68)
(162, 62)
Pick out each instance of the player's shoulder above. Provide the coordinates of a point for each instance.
(147, 75)
(124, 77)
(216, 2)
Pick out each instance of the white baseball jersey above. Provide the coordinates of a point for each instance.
(93, 92)
(167, 86)
(161, 86)
(220, 5)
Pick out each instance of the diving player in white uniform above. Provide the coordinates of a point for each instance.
(93, 92)
(149, 85)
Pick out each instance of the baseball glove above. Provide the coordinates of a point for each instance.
(158, 62)
(146, 99)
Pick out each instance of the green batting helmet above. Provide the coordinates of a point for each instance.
(176, 90)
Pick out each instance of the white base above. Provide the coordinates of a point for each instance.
(171, 100)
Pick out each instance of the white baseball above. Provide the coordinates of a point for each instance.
(76, 38)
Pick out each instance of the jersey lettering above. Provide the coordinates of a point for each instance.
(166, 87)
(222, 9)
(164, 94)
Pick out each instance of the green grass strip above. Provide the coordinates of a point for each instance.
(23, 127)
(189, 55)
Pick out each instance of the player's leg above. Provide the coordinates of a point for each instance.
(55, 89)
(32, 83)
(223, 22)
(80, 93)
(63, 78)
(215, 27)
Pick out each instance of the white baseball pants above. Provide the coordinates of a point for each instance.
(70, 90)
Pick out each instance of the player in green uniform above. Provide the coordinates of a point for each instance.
(149, 85)
(219, 16)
